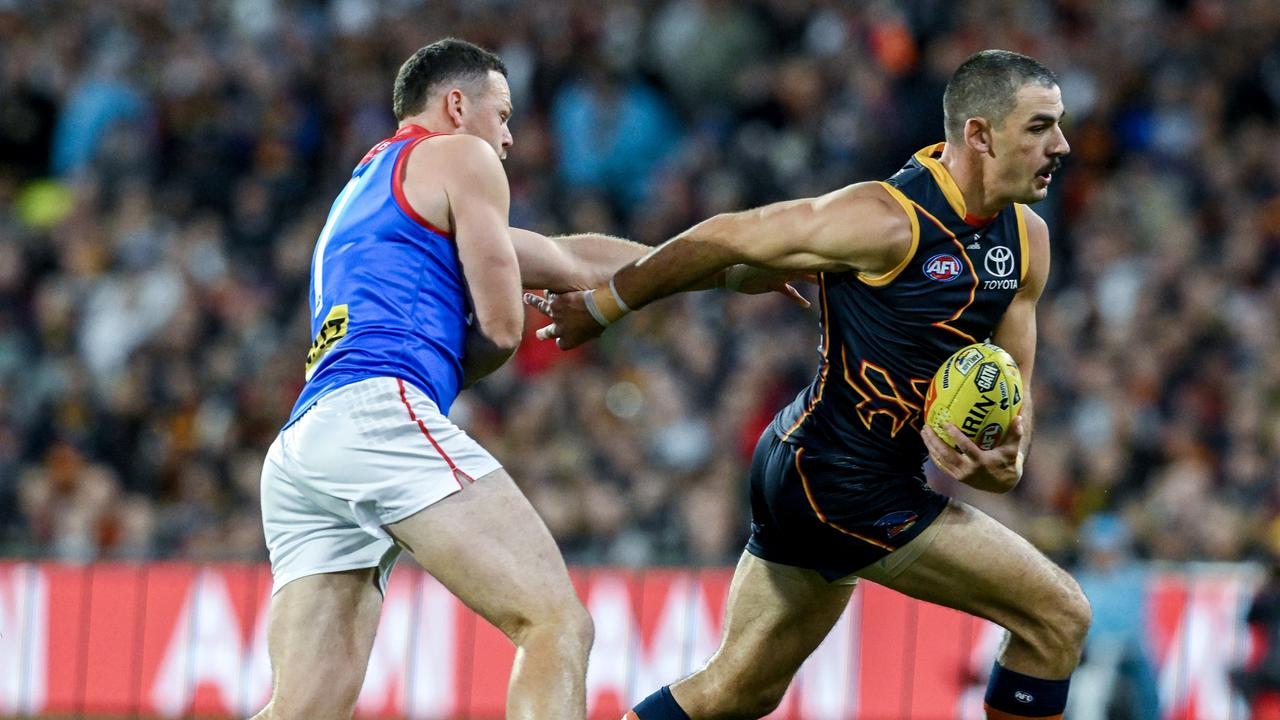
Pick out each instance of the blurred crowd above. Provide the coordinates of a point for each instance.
(165, 167)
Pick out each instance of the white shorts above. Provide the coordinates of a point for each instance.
(366, 455)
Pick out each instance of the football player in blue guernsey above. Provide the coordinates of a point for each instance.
(415, 294)
(941, 255)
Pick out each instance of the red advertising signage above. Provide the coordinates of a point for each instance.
(168, 640)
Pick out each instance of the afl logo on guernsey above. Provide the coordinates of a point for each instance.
(943, 267)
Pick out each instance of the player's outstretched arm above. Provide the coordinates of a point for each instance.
(1000, 468)
(479, 200)
(859, 227)
(564, 263)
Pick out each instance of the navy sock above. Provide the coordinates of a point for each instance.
(1014, 695)
(660, 706)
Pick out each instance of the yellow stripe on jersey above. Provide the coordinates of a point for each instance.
(826, 365)
(1022, 242)
(813, 504)
(972, 271)
(886, 278)
(940, 175)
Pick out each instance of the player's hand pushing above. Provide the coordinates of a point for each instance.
(571, 322)
(996, 470)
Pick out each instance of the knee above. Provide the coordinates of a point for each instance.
(568, 621)
(577, 627)
(1063, 623)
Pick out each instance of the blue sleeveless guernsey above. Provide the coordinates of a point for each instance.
(388, 297)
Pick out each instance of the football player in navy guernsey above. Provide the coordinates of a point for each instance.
(415, 294)
(941, 255)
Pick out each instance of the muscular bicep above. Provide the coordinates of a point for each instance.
(479, 199)
(859, 227)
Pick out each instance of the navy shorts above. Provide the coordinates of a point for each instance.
(823, 513)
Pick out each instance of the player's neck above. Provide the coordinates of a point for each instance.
(979, 205)
(429, 122)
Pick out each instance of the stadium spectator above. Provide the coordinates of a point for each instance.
(164, 168)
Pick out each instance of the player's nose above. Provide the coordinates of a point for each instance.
(1060, 146)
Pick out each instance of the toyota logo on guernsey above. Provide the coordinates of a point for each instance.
(943, 267)
(999, 261)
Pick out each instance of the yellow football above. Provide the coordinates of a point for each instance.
(979, 389)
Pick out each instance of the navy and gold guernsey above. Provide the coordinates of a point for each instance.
(837, 478)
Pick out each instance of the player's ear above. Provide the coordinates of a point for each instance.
(977, 134)
(453, 106)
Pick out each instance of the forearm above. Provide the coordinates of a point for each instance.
(597, 257)
(571, 262)
(600, 256)
(692, 260)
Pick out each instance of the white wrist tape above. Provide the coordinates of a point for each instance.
(622, 305)
(589, 299)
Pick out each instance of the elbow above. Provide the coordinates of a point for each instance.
(505, 337)
(501, 333)
(722, 233)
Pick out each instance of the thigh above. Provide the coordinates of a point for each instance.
(320, 636)
(305, 536)
(776, 616)
(976, 565)
(488, 546)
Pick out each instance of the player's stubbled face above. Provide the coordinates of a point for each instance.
(1029, 146)
(489, 112)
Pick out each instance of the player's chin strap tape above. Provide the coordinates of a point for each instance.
(589, 299)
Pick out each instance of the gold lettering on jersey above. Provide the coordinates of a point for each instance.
(333, 330)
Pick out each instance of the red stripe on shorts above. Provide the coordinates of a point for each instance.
(458, 473)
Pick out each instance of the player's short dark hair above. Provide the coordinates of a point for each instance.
(447, 60)
(986, 85)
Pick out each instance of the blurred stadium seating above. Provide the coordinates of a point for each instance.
(165, 166)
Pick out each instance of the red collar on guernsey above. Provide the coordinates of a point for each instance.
(410, 130)
(974, 221)
(407, 132)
